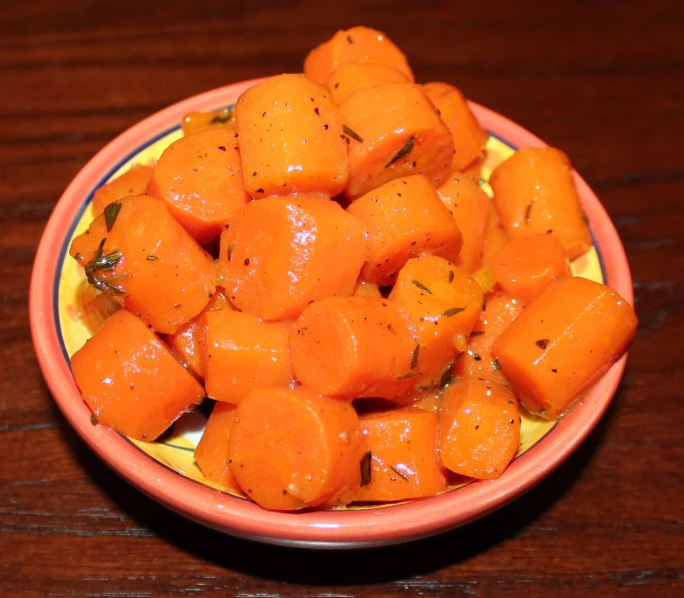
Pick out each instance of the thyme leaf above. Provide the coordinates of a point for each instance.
(528, 211)
(365, 465)
(403, 476)
(414, 359)
(453, 311)
(352, 134)
(110, 214)
(403, 152)
(422, 287)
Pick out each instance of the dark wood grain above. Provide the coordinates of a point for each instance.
(603, 80)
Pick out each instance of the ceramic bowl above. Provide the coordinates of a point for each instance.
(166, 471)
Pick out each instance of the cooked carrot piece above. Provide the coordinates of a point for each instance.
(525, 267)
(472, 209)
(358, 44)
(132, 182)
(403, 219)
(495, 238)
(563, 341)
(200, 179)
(350, 347)
(240, 353)
(131, 381)
(477, 361)
(279, 254)
(444, 305)
(479, 424)
(194, 122)
(469, 136)
(211, 454)
(291, 449)
(149, 260)
(400, 134)
(350, 76)
(404, 462)
(290, 136)
(185, 341)
(367, 289)
(534, 192)
(94, 308)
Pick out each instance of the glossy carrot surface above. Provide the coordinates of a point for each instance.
(403, 219)
(291, 449)
(357, 45)
(290, 138)
(279, 254)
(131, 381)
(563, 341)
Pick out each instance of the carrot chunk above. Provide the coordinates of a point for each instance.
(469, 136)
(211, 454)
(403, 219)
(563, 341)
(534, 192)
(351, 76)
(358, 44)
(185, 341)
(472, 209)
(290, 137)
(495, 238)
(132, 182)
(131, 381)
(279, 254)
(350, 347)
(291, 449)
(194, 122)
(401, 135)
(239, 353)
(404, 462)
(444, 305)
(479, 425)
(477, 361)
(200, 179)
(525, 267)
(139, 253)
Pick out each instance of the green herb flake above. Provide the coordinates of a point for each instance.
(528, 211)
(93, 419)
(352, 134)
(451, 276)
(484, 302)
(403, 152)
(110, 214)
(414, 359)
(103, 263)
(224, 117)
(476, 333)
(365, 464)
(151, 258)
(448, 376)
(422, 287)
(453, 311)
(409, 375)
(230, 250)
(403, 476)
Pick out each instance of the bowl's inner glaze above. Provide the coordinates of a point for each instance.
(176, 450)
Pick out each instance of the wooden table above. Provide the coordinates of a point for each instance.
(602, 80)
